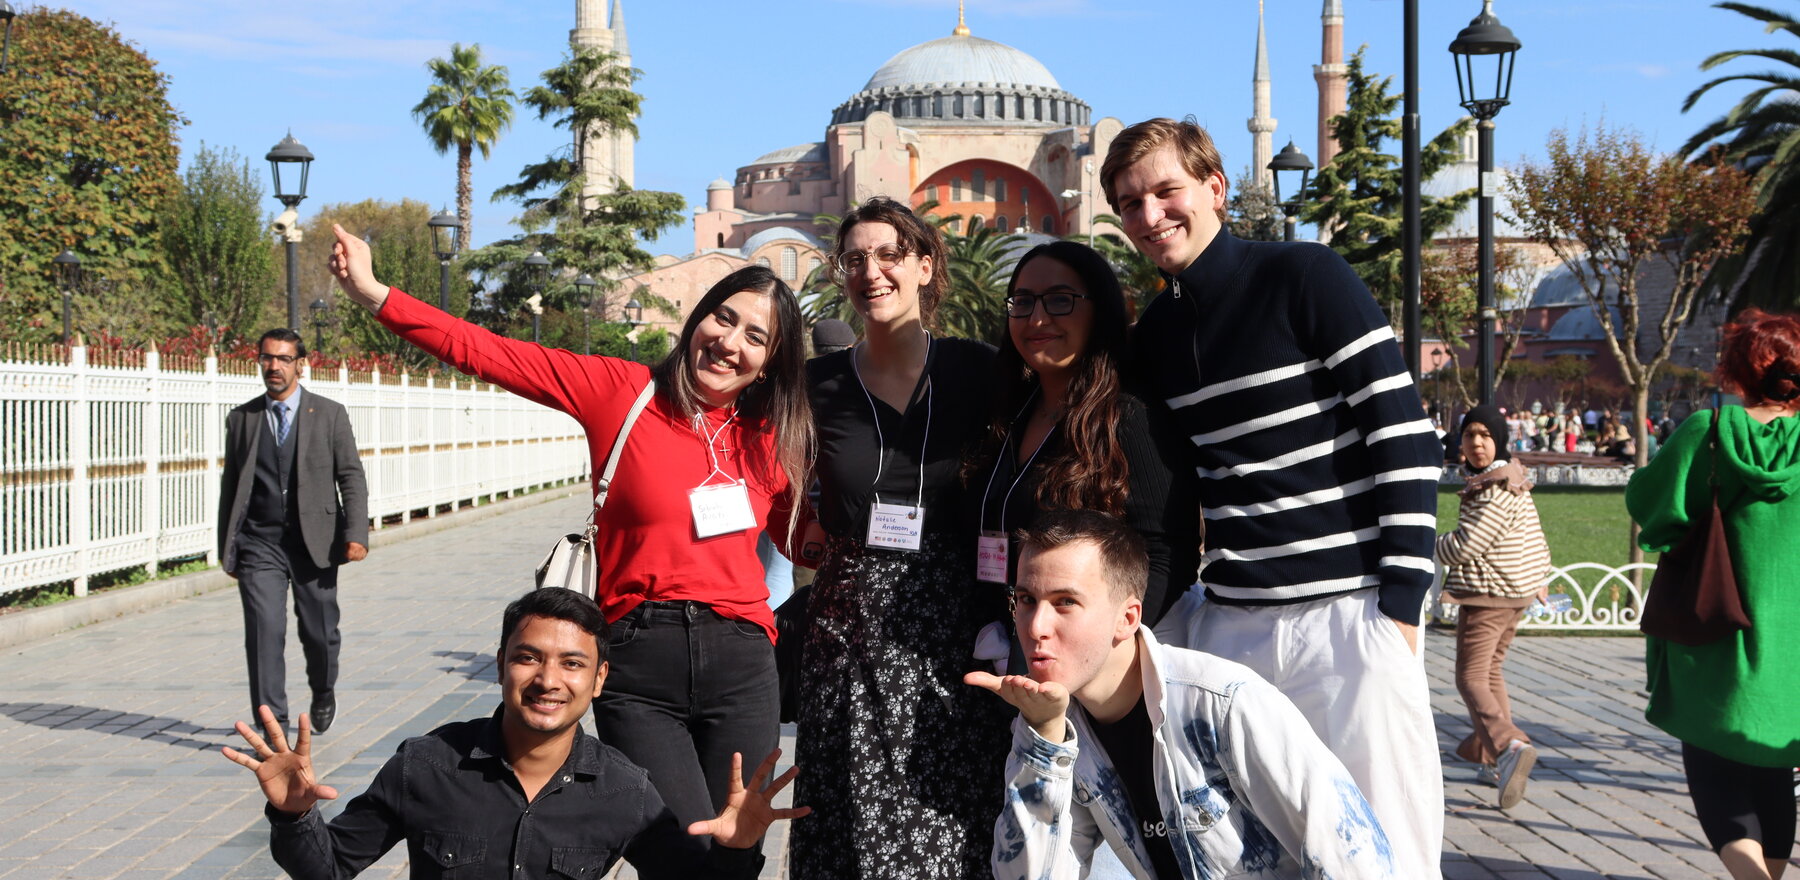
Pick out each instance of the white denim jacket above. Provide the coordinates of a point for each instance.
(1247, 789)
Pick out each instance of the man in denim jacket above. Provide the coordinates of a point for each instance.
(525, 793)
(1185, 764)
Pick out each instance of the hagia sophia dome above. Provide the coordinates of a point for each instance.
(992, 82)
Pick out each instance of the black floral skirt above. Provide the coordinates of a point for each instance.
(900, 761)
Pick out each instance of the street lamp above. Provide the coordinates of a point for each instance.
(1485, 36)
(537, 273)
(321, 318)
(446, 241)
(286, 225)
(634, 318)
(7, 13)
(1289, 160)
(68, 277)
(584, 297)
(1087, 199)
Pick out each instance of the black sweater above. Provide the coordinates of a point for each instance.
(1317, 469)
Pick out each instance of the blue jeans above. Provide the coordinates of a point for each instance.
(686, 688)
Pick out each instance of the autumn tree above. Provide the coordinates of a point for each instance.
(87, 161)
(1449, 297)
(222, 268)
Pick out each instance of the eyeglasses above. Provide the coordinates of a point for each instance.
(282, 359)
(886, 257)
(1021, 305)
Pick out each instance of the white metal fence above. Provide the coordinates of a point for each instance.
(1600, 597)
(115, 463)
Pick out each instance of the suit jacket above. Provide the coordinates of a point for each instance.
(333, 500)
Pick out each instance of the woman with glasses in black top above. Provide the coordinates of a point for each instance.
(1064, 431)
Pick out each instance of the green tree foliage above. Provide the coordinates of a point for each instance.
(212, 235)
(599, 236)
(1137, 275)
(1761, 134)
(87, 160)
(467, 106)
(980, 264)
(1252, 214)
(401, 250)
(1357, 196)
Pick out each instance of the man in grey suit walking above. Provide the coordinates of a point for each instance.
(292, 506)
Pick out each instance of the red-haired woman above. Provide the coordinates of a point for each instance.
(1733, 702)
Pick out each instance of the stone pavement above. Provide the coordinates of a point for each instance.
(111, 767)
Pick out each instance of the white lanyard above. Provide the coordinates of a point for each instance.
(719, 509)
(881, 441)
(1023, 469)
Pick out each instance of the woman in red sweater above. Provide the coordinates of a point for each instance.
(692, 676)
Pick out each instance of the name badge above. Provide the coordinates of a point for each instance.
(721, 509)
(990, 557)
(896, 526)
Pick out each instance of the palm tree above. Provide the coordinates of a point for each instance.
(1137, 275)
(981, 262)
(1761, 135)
(467, 105)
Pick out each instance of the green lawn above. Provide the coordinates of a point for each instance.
(1581, 524)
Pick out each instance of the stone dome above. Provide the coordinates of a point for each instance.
(964, 80)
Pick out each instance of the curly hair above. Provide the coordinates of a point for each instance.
(1760, 357)
(913, 234)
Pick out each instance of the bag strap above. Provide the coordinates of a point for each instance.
(612, 460)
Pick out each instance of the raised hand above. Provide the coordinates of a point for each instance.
(354, 270)
(286, 776)
(1042, 704)
(749, 811)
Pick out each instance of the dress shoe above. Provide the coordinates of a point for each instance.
(323, 712)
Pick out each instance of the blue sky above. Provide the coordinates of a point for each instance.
(725, 82)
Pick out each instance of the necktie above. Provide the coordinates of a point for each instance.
(281, 422)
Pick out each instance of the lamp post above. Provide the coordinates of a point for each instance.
(68, 277)
(634, 318)
(321, 318)
(286, 225)
(446, 242)
(7, 13)
(1289, 160)
(584, 297)
(1411, 238)
(537, 273)
(1484, 37)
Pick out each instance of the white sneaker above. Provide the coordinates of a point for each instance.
(1486, 773)
(1514, 766)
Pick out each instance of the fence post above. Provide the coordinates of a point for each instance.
(153, 453)
(373, 473)
(80, 452)
(212, 447)
(406, 444)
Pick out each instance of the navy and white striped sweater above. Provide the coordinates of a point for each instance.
(1318, 471)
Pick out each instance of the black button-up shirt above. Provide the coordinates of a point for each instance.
(457, 803)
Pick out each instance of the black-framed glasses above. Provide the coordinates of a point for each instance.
(1021, 305)
(886, 257)
(282, 359)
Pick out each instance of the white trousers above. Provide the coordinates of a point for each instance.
(1348, 669)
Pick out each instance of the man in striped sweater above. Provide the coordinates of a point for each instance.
(1317, 471)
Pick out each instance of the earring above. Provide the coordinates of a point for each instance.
(760, 377)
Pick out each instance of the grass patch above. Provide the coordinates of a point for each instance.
(1581, 523)
(51, 594)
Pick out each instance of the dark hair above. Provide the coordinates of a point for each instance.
(1090, 470)
(558, 604)
(913, 234)
(777, 402)
(283, 334)
(1122, 551)
(1198, 154)
(1760, 358)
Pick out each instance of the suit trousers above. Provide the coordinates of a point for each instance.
(263, 589)
(1482, 637)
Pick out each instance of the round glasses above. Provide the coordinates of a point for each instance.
(1021, 305)
(886, 257)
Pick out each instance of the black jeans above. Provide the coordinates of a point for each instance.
(686, 688)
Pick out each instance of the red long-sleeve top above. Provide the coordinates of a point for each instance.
(645, 545)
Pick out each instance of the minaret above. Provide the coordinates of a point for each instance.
(1330, 74)
(1262, 125)
(605, 156)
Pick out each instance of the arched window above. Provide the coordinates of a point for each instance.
(1002, 224)
(959, 105)
(956, 192)
(721, 239)
(1025, 195)
(790, 263)
(999, 189)
(976, 223)
(812, 265)
(979, 184)
(937, 104)
(1049, 227)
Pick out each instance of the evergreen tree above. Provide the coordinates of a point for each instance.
(1357, 196)
(467, 106)
(1253, 214)
(212, 235)
(87, 162)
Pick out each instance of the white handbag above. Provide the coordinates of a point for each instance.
(570, 564)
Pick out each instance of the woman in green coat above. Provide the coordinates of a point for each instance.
(1735, 703)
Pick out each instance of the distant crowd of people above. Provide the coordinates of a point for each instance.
(1092, 598)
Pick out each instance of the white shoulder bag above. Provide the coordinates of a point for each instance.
(570, 564)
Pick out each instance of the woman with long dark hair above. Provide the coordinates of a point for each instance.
(718, 455)
(903, 762)
(1065, 432)
(1734, 703)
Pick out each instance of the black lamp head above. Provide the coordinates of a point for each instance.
(446, 234)
(288, 152)
(1484, 36)
(68, 269)
(537, 270)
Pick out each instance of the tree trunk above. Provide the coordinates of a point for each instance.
(464, 161)
(1640, 403)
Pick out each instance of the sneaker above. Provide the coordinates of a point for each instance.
(1487, 774)
(1514, 767)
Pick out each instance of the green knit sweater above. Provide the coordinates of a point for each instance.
(1740, 696)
